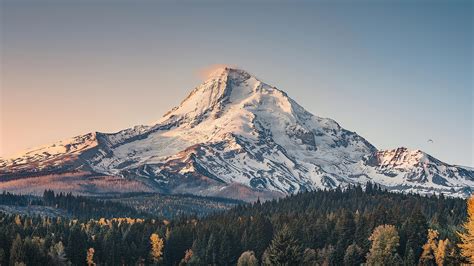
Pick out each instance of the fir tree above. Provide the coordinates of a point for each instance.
(2, 256)
(409, 258)
(344, 230)
(34, 251)
(212, 249)
(57, 254)
(227, 249)
(413, 234)
(353, 255)
(76, 245)
(284, 249)
(17, 252)
(310, 257)
(259, 235)
(326, 255)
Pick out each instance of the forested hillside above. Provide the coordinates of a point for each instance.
(68, 205)
(312, 228)
(137, 205)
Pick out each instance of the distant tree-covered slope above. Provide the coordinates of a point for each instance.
(68, 205)
(313, 228)
(117, 205)
(327, 223)
(173, 206)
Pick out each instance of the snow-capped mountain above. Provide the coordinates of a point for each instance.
(236, 136)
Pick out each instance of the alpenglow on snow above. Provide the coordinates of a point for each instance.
(232, 136)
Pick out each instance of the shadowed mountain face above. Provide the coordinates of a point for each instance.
(233, 136)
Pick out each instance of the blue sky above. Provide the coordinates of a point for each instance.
(396, 72)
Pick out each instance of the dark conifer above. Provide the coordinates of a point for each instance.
(284, 249)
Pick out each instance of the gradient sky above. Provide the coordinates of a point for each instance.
(396, 72)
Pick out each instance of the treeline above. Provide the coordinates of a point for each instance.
(314, 228)
(7, 198)
(331, 227)
(59, 241)
(177, 205)
(85, 208)
(78, 207)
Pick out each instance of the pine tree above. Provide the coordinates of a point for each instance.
(57, 254)
(409, 258)
(76, 244)
(227, 249)
(413, 234)
(385, 241)
(353, 255)
(2, 255)
(396, 260)
(360, 235)
(310, 257)
(17, 252)
(247, 259)
(344, 230)
(179, 241)
(34, 251)
(451, 254)
(467, 238)
(212, 249)
(110, 243)
(199, 248)
(259, 235)
(284, 249)
(325, 255)
(156, 247)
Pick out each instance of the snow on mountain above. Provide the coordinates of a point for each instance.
(417, 171)
(49, 156)
(236, 136)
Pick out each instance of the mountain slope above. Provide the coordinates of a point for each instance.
(236, 136)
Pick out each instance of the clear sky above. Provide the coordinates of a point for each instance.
(396, 72)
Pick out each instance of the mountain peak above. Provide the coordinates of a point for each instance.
(227, 72)
(235, 129)
(226, 85)
(403, 157)
(229, 76)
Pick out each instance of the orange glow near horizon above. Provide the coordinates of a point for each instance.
(205, 72)
(397, 74)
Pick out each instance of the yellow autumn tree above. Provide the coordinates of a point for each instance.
(444, 250)
(188, 254)
(430, 248)
(436, 252)
(467, 237)
(18, 220)
(90, 257)
(385, 242)
(157, 245)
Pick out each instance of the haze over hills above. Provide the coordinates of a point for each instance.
(232, 136)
